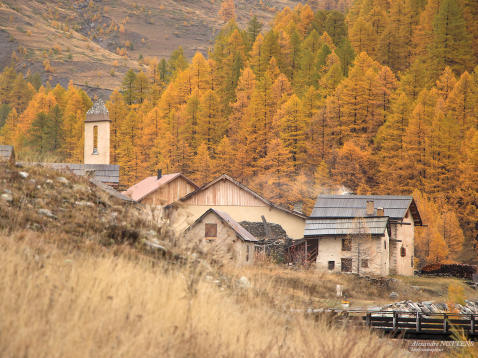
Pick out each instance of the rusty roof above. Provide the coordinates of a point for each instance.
(229, 221)
(149, 185)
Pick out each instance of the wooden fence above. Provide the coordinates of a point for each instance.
(418, 323)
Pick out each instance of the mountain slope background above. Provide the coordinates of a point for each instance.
(93, 43)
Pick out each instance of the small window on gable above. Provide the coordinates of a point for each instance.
(331, 265)
(403, 252)
(385, 244)
(346, 244)
(210, 230)
(95, 140)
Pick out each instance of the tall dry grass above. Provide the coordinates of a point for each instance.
(59, 304)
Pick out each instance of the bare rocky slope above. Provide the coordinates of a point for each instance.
(94, 42)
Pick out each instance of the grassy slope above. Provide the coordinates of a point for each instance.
(155, 28)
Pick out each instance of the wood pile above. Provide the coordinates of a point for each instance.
(454, 270)
(470, 307)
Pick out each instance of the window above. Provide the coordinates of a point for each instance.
(346, 265)
(210, 230)
(385, 244)
(247, 254)
(411, 260)
(331, 265)
(346, 244)
(364, 263)
(95, 140)
(403, 251)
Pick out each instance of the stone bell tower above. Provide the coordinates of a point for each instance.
(97, 134)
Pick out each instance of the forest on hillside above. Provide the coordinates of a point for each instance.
(382, 99)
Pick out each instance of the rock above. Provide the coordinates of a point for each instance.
(7, 197)
(24, 175)
(49, 181)
(244, 282)
(6, 191)
(81, 188)
(47, 213)
(63, 180)
(393, 295)
(84, 204)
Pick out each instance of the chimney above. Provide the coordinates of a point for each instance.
(380, 212)
(370, 210)
(160, 173)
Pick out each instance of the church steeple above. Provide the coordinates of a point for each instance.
(97, 134)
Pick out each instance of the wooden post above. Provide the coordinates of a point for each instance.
(395, 316)
(472, 324)
(445, 323)
(418, 323)
(368, 319)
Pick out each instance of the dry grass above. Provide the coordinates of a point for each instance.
(55, 304)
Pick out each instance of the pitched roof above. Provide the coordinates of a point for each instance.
(110, 191)
(229, 221)
(149, 185)
(354, 206)
(98, 112)
(346, 226)
(6, 152)
(105, 173)
(245, 188)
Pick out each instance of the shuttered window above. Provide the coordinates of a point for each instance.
(331, 265)
(210, 230)
(364, 263)
(346, 244)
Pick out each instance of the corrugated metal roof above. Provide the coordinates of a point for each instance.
(346, 226)
(6, 152)
(352, 206)
(149, 185)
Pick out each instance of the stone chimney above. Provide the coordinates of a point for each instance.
(97, 135)
(299, 206)
(160, 174)
(370, 209)
(380, 212)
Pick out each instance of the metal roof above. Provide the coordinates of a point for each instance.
(105, 173)
(228, 220)
(150, 184)
(346, 226)
(354, 206)
(6, 152)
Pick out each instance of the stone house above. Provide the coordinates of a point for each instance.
(362, 234)
(215, 231)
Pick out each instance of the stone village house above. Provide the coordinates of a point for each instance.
(363, 234)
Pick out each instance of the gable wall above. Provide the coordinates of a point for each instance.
(406, 233)
(227, 246)
(224, 193)
(169, 193)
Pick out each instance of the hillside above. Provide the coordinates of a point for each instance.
(93, 43)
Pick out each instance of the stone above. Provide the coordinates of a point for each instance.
(49, 181)
(84, 204)
(24, 175)
(47, 213)
(63, 180)
(393, 295)
(7, 197)
(244, 282)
